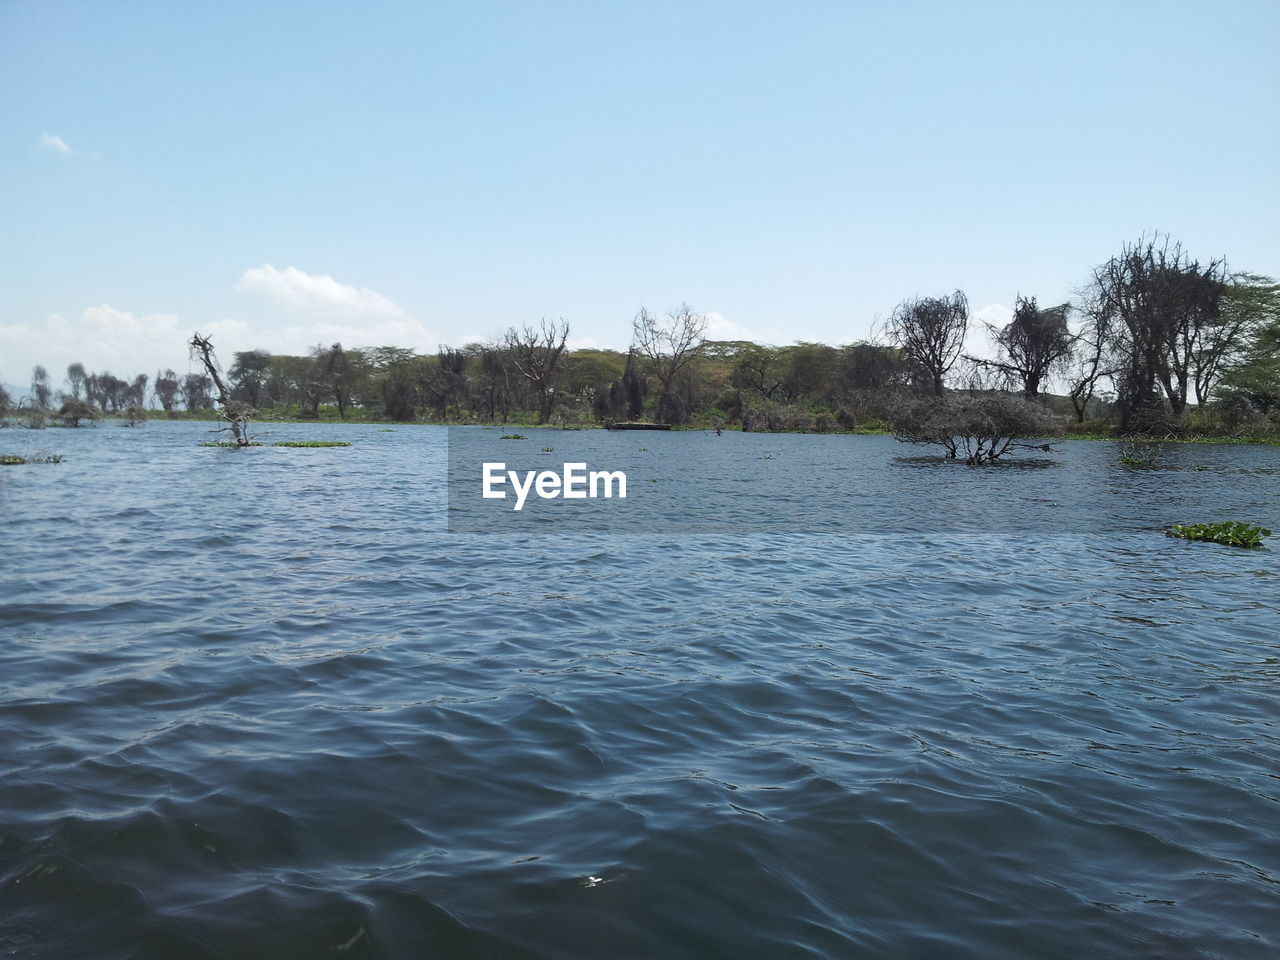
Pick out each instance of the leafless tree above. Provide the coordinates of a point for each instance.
(1031, 346)
(41, 393)
(536, 354)
(74, 410)
(979, 430)
(75, 379)
(236, 414)
(930, 331)
(670, 343)
(1160, 308)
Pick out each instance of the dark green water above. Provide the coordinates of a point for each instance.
(265, 704)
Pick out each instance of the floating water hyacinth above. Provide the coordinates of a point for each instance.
(1232, 533)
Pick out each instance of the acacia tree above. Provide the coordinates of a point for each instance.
(75, 379)
(248, 374)
(759, 369)
(670, 344)
(40, 390)
(1253, 383)
(335, 373)
(1158, 307)
(137, 392)
(1031, 345)
(930, 332)
(494, 380)
(1249, 303)
(166, 390)
(536, 354)
(195, 392)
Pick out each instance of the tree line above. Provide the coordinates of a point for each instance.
(1154, 341)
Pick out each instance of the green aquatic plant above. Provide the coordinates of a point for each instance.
(1231, 533)
(513, 436)
(230, 443)
(311, 443)
(13, 460)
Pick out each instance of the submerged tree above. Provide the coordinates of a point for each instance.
(235, 412)
(73, 411)
(978, 430)
(930, 331)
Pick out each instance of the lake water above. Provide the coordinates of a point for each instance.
(293, 703)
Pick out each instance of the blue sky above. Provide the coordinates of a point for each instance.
(290, 173)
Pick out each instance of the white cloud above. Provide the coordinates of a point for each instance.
(102, 338)
(295, 291)
(51, 142)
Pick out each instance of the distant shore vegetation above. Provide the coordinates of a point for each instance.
(1157, 344)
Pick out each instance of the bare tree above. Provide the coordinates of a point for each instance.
(1031, 346)
(931, 331)
(979, 430)
(75, 379)
(40, 390)
(74, 410)
(236, 414)
(536, 354)
(1158, 305)
(137, 391)
(670, 344)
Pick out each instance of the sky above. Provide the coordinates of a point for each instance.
(281, 174)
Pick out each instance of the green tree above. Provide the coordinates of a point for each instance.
(248, 375)
(1254, 380)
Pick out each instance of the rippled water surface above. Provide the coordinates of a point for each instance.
(264, 704)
